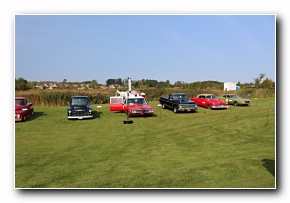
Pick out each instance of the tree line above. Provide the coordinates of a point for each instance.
(260, 82)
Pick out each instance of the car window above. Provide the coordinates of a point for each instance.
(116, 100)
(19, 101)
(136, 101)
(79, 101)
(180, 97)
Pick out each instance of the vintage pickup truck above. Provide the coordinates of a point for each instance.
(79, 107)
(178, 102)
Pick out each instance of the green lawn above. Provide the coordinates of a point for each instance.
(232, 148)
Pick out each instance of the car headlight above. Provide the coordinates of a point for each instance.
(90, 110)
(69, 111)
(24, 109)
(17, 115)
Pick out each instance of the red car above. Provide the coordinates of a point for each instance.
(133, 104)
(23, 109)
(209, 101)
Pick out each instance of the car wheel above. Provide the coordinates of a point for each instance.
(209, 107)
(163, 106)
(32, 112)
(175, 110)
(24, 117)
(236, 103)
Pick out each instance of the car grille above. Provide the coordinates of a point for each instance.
(136, 111)
(147, 111)
(187, 106)
(80, 113)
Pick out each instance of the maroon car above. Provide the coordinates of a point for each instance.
(209, 101)
(136, 106)
(23, 109)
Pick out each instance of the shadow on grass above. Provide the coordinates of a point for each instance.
(97, 114)
(269, 164)
(35, 116)
(125, 115)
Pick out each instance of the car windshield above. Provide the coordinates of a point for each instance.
(234, 96)
(180, 97)
(137, 101)
(79, 101)
(19, 101)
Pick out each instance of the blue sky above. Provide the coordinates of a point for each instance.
(189, 48)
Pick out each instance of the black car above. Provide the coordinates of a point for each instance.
(178, 102)
(79, 107)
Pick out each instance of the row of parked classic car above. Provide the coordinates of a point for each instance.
(79, 107)
(179, 102)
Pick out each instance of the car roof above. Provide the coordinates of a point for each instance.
(178, 93)
(204, 94)
(19, 98)
(80, 96)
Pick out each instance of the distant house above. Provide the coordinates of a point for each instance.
(230, 86)
(46, 85)
(38, 86)
(112, 86)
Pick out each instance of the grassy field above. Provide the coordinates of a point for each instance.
(232, 148)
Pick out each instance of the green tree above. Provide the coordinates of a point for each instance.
(94, 83)
(21, 84)
(258, 80)
(31, 85)
(267, 83)
(178, 84)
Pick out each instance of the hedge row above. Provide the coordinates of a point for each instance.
(152, 94)
(61, 98)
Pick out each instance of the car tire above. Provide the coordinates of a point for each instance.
(175, 110)
(24, 117)
(163, 106)
(236, 103)
(209, 107)
(32, 112)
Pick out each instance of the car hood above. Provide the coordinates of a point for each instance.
(186, 101)
(243, 99)
(18, 107)
(218, 102)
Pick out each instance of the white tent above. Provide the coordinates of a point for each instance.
(229, 86)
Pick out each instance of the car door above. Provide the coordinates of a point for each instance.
(230, 99)
(116, 103)
(27, 106)
(203, 101)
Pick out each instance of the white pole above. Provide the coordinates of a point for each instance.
(129, 84)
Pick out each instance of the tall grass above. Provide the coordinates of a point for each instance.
(60, 98)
